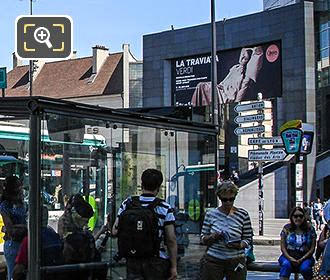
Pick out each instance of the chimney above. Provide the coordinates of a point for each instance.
(100, 54)
(74, 55)
(37, 66)
(16, 61)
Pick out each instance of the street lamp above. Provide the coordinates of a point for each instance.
(31, 61)
(214, 106)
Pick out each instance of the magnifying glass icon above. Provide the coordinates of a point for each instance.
(42, 35)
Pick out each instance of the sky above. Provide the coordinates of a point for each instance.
(114, 22)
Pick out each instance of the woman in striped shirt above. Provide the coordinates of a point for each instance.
(227, 232)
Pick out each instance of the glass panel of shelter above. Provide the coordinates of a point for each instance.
(14, 158)
(103, 162)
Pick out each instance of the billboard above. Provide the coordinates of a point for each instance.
(241, 74)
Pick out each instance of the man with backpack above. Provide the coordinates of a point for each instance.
(144, 227)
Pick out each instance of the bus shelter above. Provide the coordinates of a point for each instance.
(59, 148)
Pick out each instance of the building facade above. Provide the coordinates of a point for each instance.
(273, 4)
(322, 54)
(294, 27)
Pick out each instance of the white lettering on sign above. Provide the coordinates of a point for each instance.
(250, 118)
(251, 106)
(267, 155)
(266, 141)
(249, 130)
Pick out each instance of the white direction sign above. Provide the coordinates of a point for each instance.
(267, 155)
(266, 141)
(248, 107)
(249, 118)
(249, 130)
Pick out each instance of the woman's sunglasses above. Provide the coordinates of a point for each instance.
(230, 199)
(301, 216)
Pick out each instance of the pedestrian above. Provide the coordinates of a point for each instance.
(51, 252)
(13, 214)
(317, 210)
(234, 177)
(298, 240)
(75, 217)
(308, 212)
(227, 232)
(322, 244)
(151, 221)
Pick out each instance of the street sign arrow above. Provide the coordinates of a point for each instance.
(249, 118)
(248, 107)
(249, 130)
(267, 155)
(277, 140)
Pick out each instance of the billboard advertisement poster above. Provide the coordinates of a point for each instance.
(241, 74)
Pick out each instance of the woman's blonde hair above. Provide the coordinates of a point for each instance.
(226, 187)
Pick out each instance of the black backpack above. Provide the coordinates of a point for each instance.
(138, 231)
(79, 247)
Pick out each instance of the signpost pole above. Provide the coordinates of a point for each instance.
(31, 62)
(214, 106)
(260, 179)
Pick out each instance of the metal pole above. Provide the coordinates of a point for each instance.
(214, 106)
(31, 61)
(260, 180)
(34, 198)
(3, 92)
(177, 168)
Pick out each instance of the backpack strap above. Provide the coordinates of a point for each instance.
(155, 203)
(135, 202)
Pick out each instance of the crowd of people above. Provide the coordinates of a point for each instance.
(73, 242)
(145, 230)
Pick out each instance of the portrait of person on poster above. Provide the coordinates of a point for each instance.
(234, 86)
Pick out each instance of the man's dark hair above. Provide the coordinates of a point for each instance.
(151, 179)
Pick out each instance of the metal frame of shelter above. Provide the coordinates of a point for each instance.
(32, 108)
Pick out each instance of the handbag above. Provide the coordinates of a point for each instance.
(249, 255)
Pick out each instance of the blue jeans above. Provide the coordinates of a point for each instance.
(10, 250)
(305, 268)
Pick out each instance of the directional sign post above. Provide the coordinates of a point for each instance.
(267, 155)
(257, 155)
(249, 118)
(249, 130)
(261, 200)
(266, 141)
(248, 107)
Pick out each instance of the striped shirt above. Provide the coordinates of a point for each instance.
(238, 227)
(164, 213)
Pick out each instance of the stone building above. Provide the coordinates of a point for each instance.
(298, 28)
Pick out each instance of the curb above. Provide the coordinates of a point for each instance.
(267, 242)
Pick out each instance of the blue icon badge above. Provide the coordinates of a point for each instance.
(292, 140)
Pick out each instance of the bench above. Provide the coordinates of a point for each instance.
(267, 267)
